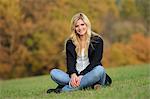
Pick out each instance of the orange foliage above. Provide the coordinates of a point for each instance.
(137, 51)
(5, 70)
(141, 47)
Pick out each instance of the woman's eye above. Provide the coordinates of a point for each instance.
(82, 24)
(76, 25)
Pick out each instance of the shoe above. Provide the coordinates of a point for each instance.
(56, 90)
(53, 90)
(97, 86)
(50, 90)
(108, 80)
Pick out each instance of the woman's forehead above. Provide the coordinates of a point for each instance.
(79, 21)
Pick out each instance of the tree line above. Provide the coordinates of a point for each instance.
(33, 32)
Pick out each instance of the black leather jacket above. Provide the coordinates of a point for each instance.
(95, 53)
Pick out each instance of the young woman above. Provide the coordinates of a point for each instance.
(84, 51)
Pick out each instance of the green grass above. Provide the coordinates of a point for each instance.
(129, 82)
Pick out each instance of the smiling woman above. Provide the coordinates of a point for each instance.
(84, 51)
(80, 28)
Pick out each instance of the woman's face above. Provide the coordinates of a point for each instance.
(80, 27)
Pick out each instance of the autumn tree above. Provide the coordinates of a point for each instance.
(143, 7)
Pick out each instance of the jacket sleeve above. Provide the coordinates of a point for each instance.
(96, 56)
(70, 58)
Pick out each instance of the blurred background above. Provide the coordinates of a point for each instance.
(32, 33)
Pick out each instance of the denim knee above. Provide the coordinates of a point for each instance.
(53, 72)
(98, 71)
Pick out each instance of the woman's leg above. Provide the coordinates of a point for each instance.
(102, 78)
(95, 75)
(59, 77)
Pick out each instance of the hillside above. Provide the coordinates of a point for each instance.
(129, 82)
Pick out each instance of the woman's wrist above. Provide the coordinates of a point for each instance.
(73, 75)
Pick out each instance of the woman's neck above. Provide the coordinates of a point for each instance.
(82, 38)
(82, 41)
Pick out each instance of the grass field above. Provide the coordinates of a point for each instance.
(129, 82)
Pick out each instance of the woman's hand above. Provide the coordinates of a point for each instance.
(79, 80)
(75, 80)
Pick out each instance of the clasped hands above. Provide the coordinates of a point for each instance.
(75, 80)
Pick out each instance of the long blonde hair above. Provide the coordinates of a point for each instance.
(74, 36)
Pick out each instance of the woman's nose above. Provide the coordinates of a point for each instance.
(80, 27)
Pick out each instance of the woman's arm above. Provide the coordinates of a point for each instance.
(70, 58)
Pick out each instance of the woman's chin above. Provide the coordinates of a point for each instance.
(81, 34)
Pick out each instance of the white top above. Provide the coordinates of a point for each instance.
(82, 62)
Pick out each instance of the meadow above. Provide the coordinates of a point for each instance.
(129, 82)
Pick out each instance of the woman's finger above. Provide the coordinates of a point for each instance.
(73, 82)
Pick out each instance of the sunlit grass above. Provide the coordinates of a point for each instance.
(129, 82)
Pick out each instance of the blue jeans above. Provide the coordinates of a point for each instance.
(96, 75)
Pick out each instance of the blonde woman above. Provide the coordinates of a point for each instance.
(84, 51)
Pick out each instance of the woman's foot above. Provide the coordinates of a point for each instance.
(50, 90)
(54, 90)
(97, 86)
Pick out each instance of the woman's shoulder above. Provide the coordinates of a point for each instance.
(69, 43)
(96, 38)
